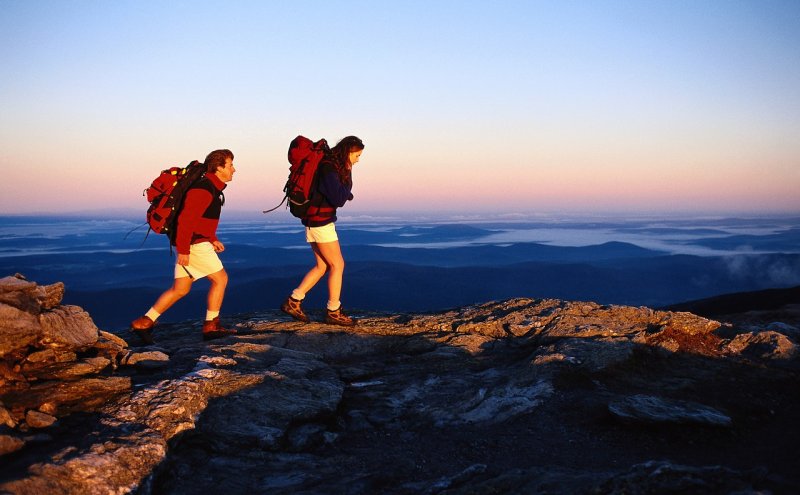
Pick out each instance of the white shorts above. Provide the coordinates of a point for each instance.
(326, 233)
(203, 260)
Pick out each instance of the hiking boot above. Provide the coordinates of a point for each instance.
(143, 328)
(339, 318)
(293, 308)
(212, 330)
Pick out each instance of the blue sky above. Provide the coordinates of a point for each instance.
(486, 106)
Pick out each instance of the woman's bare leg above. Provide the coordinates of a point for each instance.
(316, 273)
(331, 254)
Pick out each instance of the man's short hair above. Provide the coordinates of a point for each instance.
(216, 159)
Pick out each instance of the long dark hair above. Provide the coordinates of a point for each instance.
(340, 156)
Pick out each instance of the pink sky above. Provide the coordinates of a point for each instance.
(584, 107)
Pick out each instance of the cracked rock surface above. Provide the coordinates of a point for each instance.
(516, 396)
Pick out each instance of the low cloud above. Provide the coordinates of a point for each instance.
(767, 270)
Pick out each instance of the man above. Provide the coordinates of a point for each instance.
(197, 245)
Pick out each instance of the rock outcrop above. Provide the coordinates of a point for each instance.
(54, 361)
(517, 396)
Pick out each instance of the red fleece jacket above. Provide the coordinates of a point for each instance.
(199, 217)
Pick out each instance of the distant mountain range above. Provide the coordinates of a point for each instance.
(260, 278)
(412, 268)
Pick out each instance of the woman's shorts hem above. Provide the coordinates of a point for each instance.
(326, 233)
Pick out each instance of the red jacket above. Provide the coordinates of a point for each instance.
(198, 220)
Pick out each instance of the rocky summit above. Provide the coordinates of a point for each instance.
(517, 396)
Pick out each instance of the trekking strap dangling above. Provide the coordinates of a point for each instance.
(279, 205)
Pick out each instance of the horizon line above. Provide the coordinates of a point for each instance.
(451, 215)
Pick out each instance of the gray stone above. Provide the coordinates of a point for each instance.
(37, 419)
(85, 394)
(216, 361)
(51, 355)
(499, 405)
(6, 418)
(69, 327)
(50, 408)
(764, 345)
(145, 360)
(10, 443)
(19, 294)
(111, 347)
(66, 370)
(18, 329)
(113, 339)
(595, 355)
(50, 296)
(650, 409)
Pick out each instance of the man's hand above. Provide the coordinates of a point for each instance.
(183, 259)
(218, 246)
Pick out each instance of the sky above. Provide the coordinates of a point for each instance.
(463, 106)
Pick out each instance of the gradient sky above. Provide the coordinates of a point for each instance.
(464, 106)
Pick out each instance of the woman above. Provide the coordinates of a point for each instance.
(335, 181)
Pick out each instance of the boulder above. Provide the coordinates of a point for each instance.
(5, 417)
(51, 356)
(650, 409)
(86, 394)
(18, 329)
(65, 370)
(68, 327)
(37, 419)
(145, 360)
(763, 345)
(10, 443)
(50, 296)
(20, 294)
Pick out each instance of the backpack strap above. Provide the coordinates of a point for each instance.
(279, 205)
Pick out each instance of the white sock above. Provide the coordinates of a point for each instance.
(152, 314)
(334, 305)
(297, 295)
(210, 315)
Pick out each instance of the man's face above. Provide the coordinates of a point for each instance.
(225, 173)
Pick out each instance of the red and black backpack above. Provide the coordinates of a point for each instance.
(304, 158)
(166, 195)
